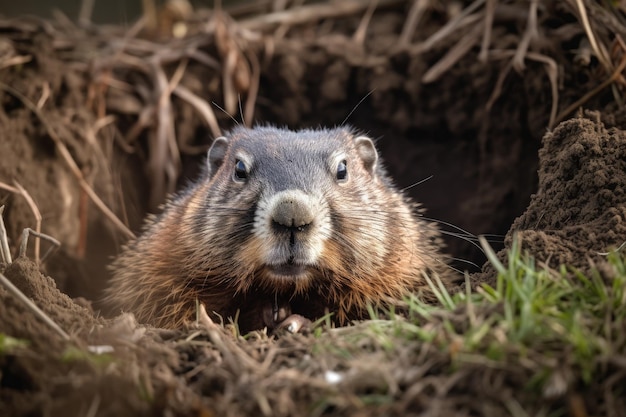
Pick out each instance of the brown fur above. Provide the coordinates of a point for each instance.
(203, 245)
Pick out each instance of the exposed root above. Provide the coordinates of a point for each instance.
(412, 22)
(453, 56)
(551, 71)
(203, 108)
(617, 74)
(359, 34)
(67, 157)
(530, 34)
(309, 14)
(24, 243)
(18, 189)
(599, 49)
(490, 11)
(37, 231)
(465, 18)
(5, 251)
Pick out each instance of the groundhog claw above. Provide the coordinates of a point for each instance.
(294, 324)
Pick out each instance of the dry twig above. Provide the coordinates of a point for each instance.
(5, 251)
(255, 81)
(412, 21)
(15, 60)
(24, 242)
(457, 52)
(361, 31)
(309, 13)
(232, 353)
(164, 154)
(530, 34)
(18, 189)
(235, 70)
(45, 95)
(37, 214)
(465, 18)
(490, 11)
(598, 48)
(203, 108)
(497, 90)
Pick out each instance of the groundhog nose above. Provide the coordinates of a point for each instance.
(293, 211)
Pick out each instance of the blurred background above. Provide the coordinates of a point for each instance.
(105, 11)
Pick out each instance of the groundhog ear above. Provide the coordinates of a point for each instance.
(217, 153)
(367, 151)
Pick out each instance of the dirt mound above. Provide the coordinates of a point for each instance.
(579, 211)
(42, 372)
(25, 275)
(578, 214)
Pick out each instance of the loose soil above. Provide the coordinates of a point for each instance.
(476, 129)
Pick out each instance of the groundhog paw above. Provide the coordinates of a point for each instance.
(295, 324)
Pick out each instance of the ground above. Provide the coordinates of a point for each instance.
(87, 115)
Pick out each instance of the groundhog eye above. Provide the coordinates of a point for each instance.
(342, 170)
(240, 170)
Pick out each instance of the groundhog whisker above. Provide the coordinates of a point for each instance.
(340, 238)
(462, 237)
(382, 212)
(496, 237)
(356, 107)
(465, 261)
(415, 184)
(465, 232)
(452, 268)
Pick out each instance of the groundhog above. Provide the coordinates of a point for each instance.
(281, 224)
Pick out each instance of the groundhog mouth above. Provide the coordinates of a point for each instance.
(288, 270)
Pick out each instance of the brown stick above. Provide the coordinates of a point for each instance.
(18, 189)
(490, 11)
(453, 56)
(5, 251)
(37, 213)
(201, 106)
(464, 18)
(600, 52)
(253, 91)
(24, 243)
(310, 13)
(411, 23)
(15, 60)
(530, 34)
(361, 31)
